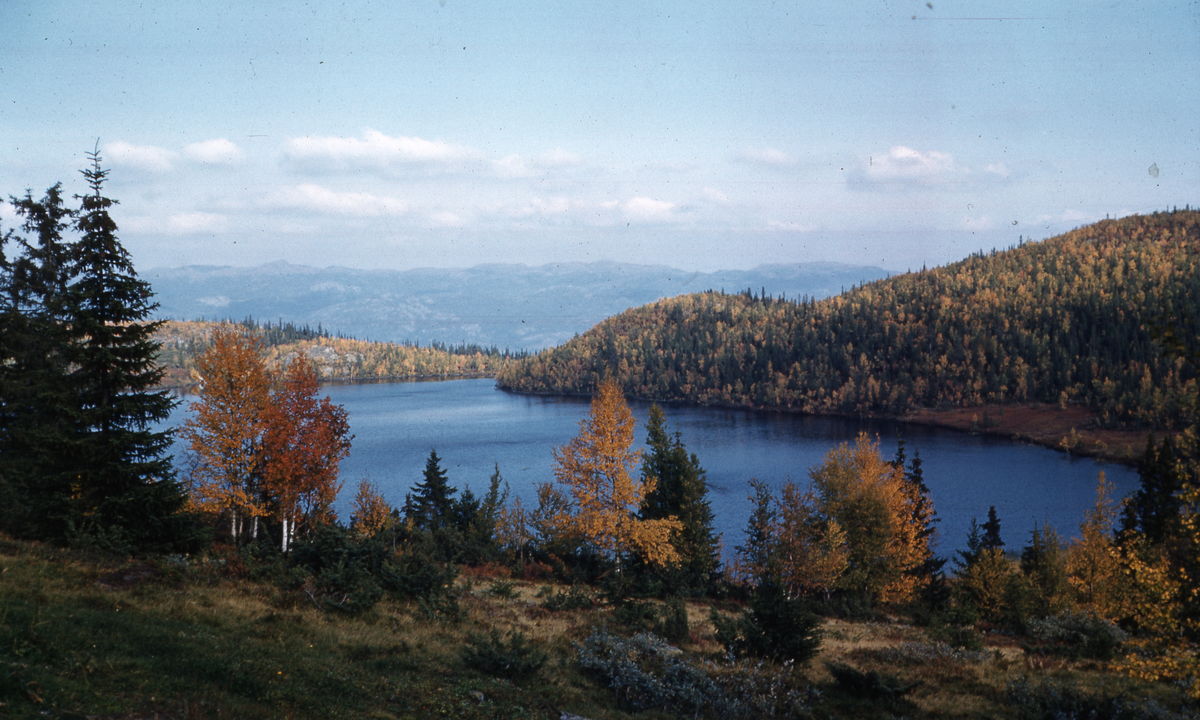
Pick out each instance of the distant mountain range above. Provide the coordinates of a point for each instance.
(506, 306)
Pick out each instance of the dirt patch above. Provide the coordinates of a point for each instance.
(1072, 429)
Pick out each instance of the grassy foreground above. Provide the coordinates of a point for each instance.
(90, 636)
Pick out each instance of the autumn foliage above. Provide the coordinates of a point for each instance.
(597, 470)
(262, 444)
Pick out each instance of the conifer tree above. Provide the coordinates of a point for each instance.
(124, 478)
(991, 531)
(680, 491)
(431, 503)
(35, 397)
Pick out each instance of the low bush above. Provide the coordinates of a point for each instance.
(646, 673)
(774, 627)
(874, 687)
(1065, 701)
(1078, 634)
(577, 598)
(669, 621)
(517, 660)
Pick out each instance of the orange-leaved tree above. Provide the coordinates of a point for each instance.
(870, 500)
(597, 469)
(810, 549)
(262, 445)
(370, 512)
(304, 441)
(226, 429)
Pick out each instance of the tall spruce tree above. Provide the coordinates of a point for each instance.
(1154, 509)
(680, 491)
(125, 482)
(35, 397)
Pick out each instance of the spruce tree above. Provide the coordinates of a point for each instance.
(35, 397)
(680, 491)
(431, 503)
(1154, 509)
(125, 482)
(991, 531)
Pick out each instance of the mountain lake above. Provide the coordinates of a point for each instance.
(476, 427)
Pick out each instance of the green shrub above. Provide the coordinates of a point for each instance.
(577, 598)
(875, 687)
(674, 623)
(502, 589)
(1078, 634)
(517, 660)
(775, 627)
(965, 638)
(668, 621)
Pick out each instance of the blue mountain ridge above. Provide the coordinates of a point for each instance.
(517, 307)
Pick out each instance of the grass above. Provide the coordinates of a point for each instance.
(92, 636)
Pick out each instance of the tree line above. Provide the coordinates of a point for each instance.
(334, 356)
(1070, 319)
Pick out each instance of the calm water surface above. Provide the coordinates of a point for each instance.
(475, 427)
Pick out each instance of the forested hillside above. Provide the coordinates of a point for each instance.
(1070, 319)
(335, 358)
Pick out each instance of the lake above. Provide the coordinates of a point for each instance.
(475, 427)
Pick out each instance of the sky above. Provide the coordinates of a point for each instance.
(700, 135)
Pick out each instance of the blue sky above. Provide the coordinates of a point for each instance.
(706, 136)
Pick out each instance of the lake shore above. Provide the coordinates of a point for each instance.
(1072, 429)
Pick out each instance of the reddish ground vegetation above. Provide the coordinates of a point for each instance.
(1072, 428)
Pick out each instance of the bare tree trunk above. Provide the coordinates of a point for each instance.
(233, 526)
(254, 528)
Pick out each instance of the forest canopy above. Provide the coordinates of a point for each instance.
(1071, 319)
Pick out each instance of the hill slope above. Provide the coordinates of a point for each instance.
(1064, 320)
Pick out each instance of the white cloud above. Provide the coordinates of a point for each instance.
(315, 197)
(905, 164)
(194, 223)
(644, 209)
(511, 166)
(214, 152)
(142, 157)
(375, 150)
(447, 219)
(997, 168)
(768, 156)
(542, 207)
(716, 196)
(217, 301)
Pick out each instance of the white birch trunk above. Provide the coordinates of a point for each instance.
(284, 544)
(233, 526)
(254, 528)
